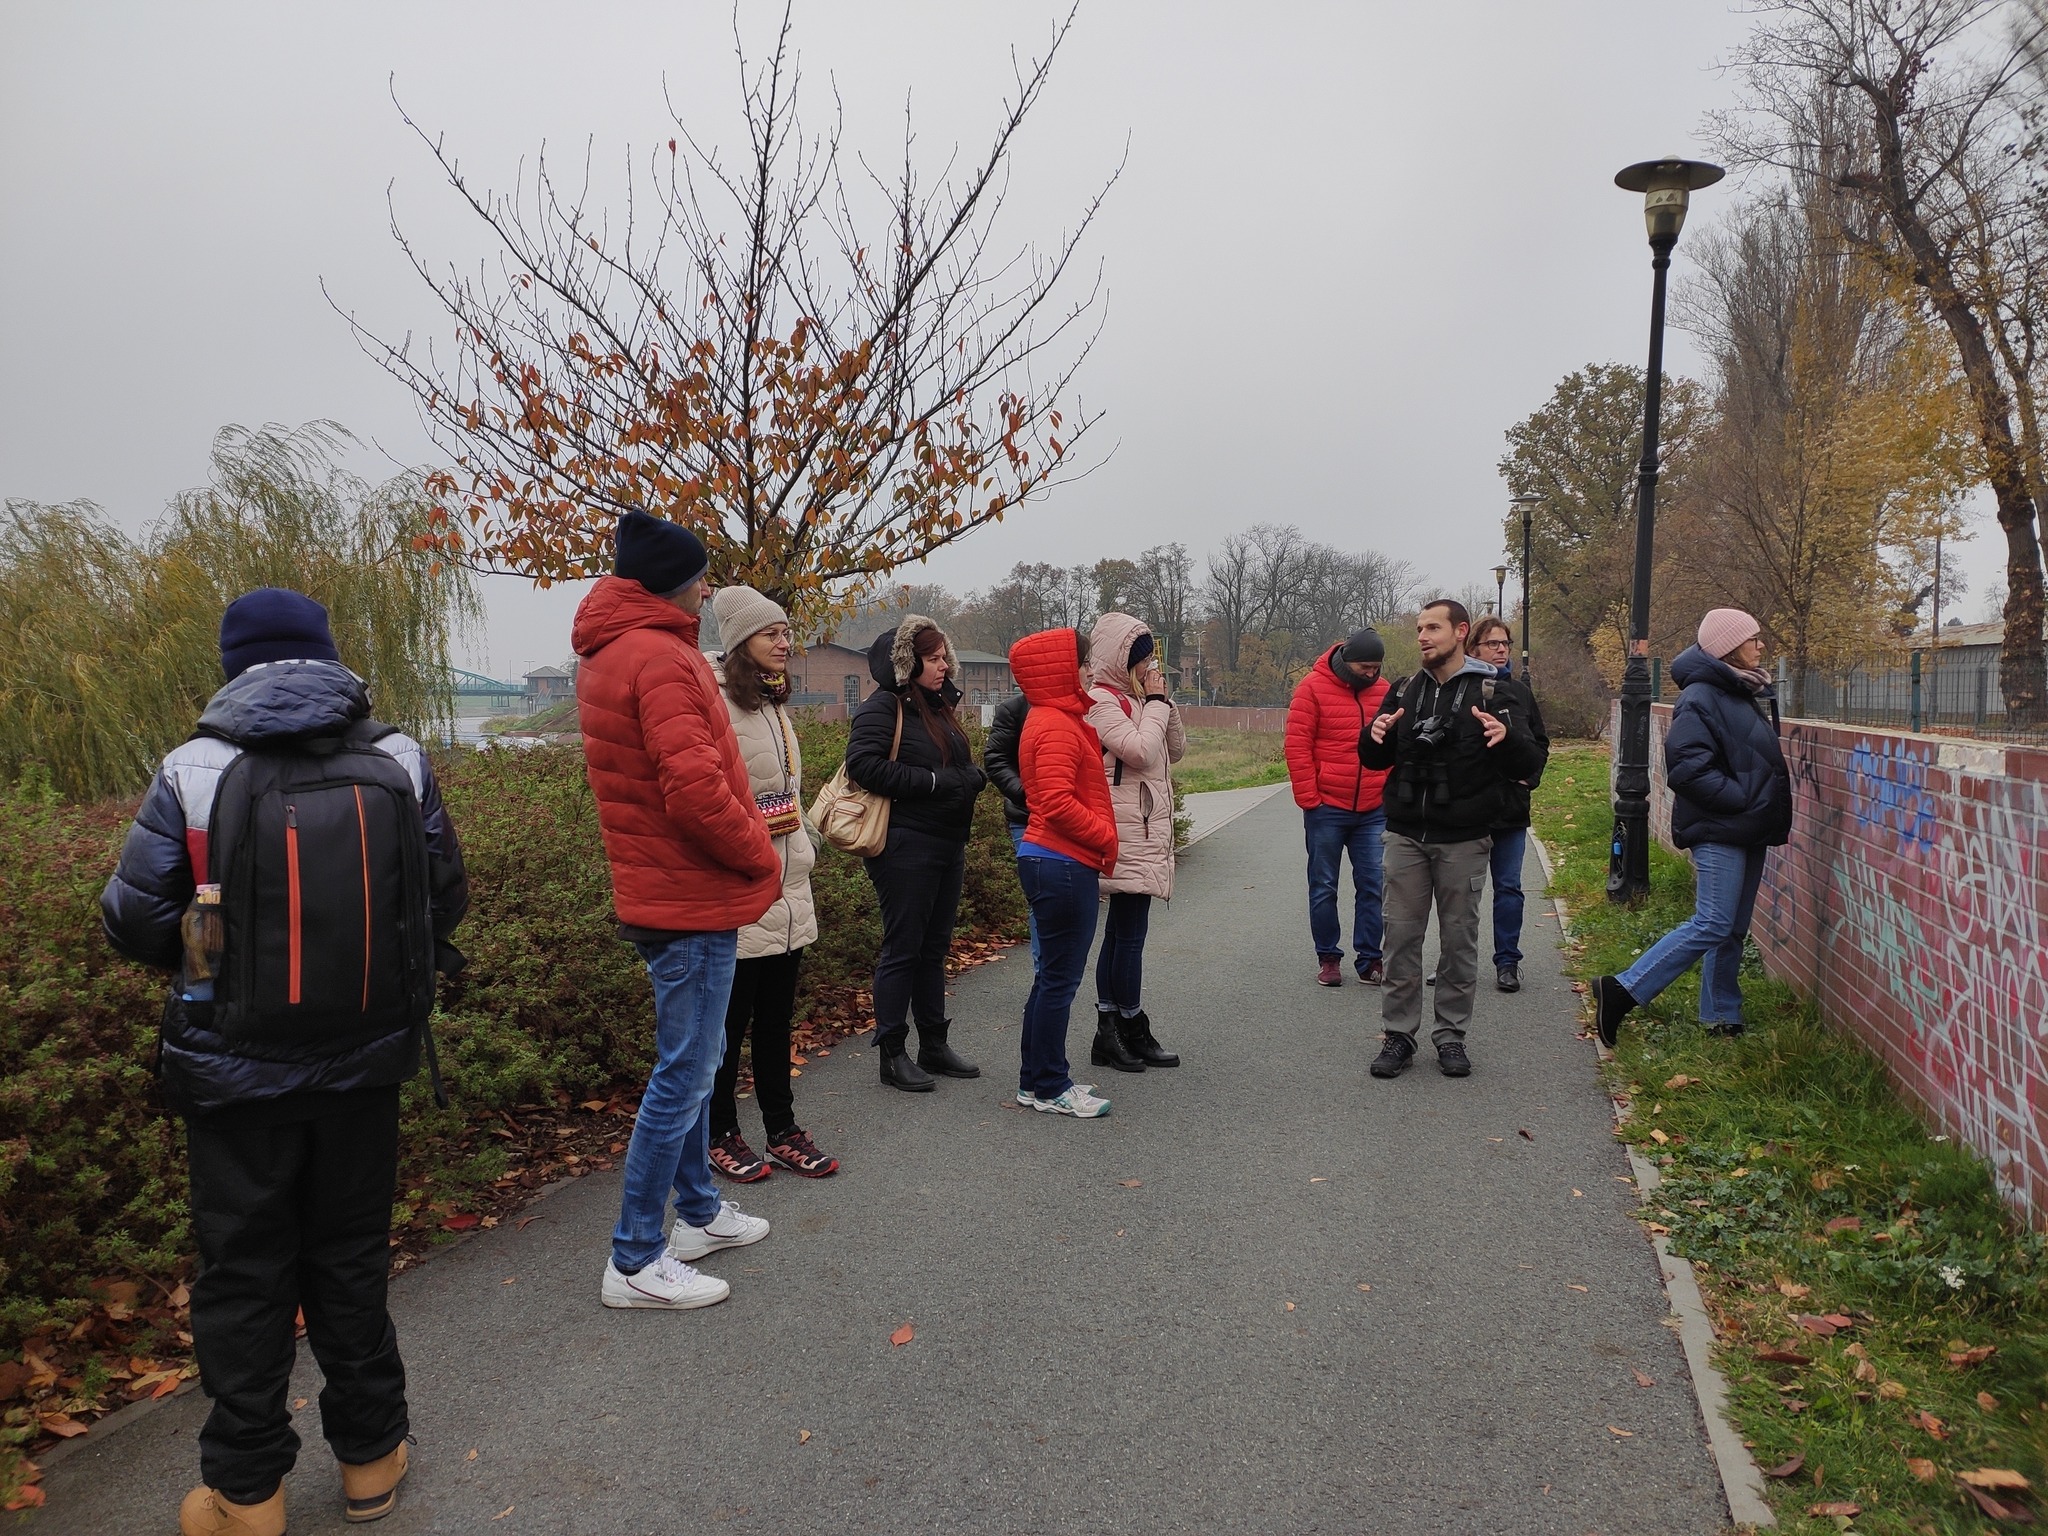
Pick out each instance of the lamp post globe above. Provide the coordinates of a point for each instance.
(1500, 590)
(1528, 505)
(1667, 186)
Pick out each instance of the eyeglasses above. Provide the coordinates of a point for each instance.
(1487, 645)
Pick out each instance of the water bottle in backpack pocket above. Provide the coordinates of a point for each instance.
(321, 856)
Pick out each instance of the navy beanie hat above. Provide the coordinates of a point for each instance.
(1365, 645)
(1141, 648)
(662, 556)
(273, 624)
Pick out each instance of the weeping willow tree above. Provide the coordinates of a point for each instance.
(109, 647)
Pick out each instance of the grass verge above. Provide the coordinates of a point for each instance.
(1881, 1316)
(1221, 758)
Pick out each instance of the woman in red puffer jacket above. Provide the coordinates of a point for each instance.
(1069, 844)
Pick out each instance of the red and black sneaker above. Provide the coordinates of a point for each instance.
(731, 1156)
(799, 1154)
(1373, 973)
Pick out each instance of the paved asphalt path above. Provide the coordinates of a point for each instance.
(1157, 1322)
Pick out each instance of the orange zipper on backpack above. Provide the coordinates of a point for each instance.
(291, 867)
(363, 827)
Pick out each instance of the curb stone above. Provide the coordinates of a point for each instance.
(1742, 1484)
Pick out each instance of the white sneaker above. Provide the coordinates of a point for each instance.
(667, 1282)
(730, 1228)
(1076, 1101)
(1024, 1098)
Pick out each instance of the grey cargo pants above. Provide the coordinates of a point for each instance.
(1452, 876)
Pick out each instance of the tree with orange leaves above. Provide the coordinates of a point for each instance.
(820, 405)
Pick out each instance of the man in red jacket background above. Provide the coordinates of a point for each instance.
(1340, 799)
(692, 864)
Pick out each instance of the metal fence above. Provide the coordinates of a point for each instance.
(1943, 691)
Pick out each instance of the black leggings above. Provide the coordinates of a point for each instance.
(763, 1000)
(917, 879)
(1120, 968)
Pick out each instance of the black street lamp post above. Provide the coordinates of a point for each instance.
(1528, 504)
(1666, 186)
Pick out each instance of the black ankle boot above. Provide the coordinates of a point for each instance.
(898, 1070)
(934, 1055)
(1137, 1037)
(1611, 1004)
(1109, 1049)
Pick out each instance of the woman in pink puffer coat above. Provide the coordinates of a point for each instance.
(1142, 737)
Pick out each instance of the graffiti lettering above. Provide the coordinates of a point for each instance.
(1888, 788)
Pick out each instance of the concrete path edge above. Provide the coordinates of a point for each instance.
(1742, 1484)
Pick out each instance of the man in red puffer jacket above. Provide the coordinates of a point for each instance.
(1340, 799)
(692, 864)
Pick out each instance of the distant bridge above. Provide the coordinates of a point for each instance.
(474, 685)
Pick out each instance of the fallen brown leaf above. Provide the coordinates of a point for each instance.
(1987, 1402)
(1626, 1434)
(1320, 1179)
(2000, 1509)
(28, 1496)
(1892, 1391)
(461, 1222)
(1961, 1358)
(1578, 1194)
(1784, 1355)
(1660, 1138)
(1840, 1319)
(1365, 1287)
(1290, 1306)
(1996, 1479)
(1791, 1291)
(1787, 1468)
(1816, 1325)
(903, 1335)
(501, 1514)
(1921, 1419)
(1680, 1081)
(1579, 1288)
(471, 1456)
(1645, 1381)
(298, 1403)
(593, 1105)
(1921, 1468)
(1844, 1224)
(803, 1437)
(527, 1221)
(1831, 1507)
(1132, 1183)
(1523, 1134)
(61, 1425)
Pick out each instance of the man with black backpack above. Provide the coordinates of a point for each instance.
(292, 865)
(1453, 743)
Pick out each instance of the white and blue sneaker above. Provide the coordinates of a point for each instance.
(667, 1283)
(1077, 1101)
(730, 1228)
(1024, 1098)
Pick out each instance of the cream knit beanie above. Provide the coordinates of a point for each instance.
(743, 613)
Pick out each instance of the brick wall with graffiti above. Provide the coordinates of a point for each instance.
(1912, 904)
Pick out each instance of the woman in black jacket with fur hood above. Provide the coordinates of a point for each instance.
(930, 780)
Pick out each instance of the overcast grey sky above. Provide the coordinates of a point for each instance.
(1354, 242)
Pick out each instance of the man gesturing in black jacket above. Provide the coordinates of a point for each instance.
(1453, 743)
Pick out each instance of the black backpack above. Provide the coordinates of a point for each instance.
(321, 855)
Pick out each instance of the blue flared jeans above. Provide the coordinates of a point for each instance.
(1725, 879)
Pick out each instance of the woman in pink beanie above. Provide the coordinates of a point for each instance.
(1731, 799)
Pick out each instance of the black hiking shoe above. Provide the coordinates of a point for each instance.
(1395, 1053)
(1611, 1004)
(1727, 1029)
(1451, 1059)
(1508, 978)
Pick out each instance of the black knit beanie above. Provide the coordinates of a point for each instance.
(1140, 649)
(1365, 645)
(273, 624)
(662, 556)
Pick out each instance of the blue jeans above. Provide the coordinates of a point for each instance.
(1120, 968)
(1508, 849)
(1725, 882)
(1331, 834)
(1017, 841)
(671, 1145)
(1063, 897)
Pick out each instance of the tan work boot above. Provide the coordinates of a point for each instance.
(207, 1512)
(372, 1488)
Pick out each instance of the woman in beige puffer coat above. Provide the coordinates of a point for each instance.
(753, 678)
(1142, 737)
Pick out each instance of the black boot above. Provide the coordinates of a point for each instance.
(1137, 1033)
(934, 1055)
(1395, 1051)
(1110, 1049)
(1611, 1004)
(898, 1070)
